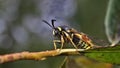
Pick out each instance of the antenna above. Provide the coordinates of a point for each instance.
(53, 22)
(47, 23)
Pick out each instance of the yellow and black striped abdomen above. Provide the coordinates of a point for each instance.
(83, 45)
(80, 41)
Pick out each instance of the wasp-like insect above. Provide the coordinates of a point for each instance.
(70, 35)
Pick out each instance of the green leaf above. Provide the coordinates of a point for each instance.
(107, 54)
(112, 22)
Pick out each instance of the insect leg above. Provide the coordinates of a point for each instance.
(67, 35)
(73, 43)
(62, 42)
(54, 43)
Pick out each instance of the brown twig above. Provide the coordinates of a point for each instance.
(36, 55)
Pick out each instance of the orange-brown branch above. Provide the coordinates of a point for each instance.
(27, 56)
(36, 55)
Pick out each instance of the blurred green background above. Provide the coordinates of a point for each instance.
(89, 18)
